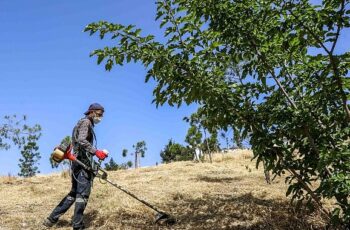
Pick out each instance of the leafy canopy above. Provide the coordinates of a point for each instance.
(270, 69)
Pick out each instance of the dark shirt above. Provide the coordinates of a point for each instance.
(82, 139)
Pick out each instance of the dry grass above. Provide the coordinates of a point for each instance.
(227, 194)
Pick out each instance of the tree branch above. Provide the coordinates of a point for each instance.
(311, 32)
(312, 193)
(339, 28)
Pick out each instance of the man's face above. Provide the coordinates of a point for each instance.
(98, 113)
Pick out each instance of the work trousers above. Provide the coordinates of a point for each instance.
(80, 192)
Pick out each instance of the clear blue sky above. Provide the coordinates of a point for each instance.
(47, 74)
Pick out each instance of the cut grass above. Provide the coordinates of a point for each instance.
(229, 193)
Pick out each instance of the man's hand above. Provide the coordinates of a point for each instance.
(101, 154)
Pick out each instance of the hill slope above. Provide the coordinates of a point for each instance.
(227, 194)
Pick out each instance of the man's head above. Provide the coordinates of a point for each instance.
(95, 111)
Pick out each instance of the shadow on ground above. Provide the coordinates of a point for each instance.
(245, 212)
(211, 179)
(89, 218)
(241, 213)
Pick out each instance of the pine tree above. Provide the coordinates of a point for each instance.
(30, 157)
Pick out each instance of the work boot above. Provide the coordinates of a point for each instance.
(49, 223)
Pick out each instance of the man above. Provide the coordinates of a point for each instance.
(83, 138)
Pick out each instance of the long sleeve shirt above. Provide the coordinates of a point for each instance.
(82, 140)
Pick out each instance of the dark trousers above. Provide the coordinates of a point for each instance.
(80, 192)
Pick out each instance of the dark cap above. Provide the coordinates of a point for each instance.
(94, 106)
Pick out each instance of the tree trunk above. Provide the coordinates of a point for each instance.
(267, 174)
(136, 160)
(209, 152)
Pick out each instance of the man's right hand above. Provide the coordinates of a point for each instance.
(101, 154)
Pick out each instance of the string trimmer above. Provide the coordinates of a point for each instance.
(65, 152)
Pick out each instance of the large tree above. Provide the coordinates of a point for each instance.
(271, 69)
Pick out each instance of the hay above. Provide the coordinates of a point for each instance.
(229, 193)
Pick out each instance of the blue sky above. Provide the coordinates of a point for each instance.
(47, 74)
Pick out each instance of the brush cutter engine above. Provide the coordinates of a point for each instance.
(62, 152)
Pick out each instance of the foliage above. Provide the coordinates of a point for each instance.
(113, 166)
(25, 137)
(140, 147)
(30, 156)
(124, 152)
(129, 164)
(140, 150)
(193, 137)
(175, 152)
(201, 122)
(211, 143)
(268, 68)
(15, 130)
(237, 137)
(225, 136)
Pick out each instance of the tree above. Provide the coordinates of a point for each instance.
(237, 137)
(140, 150)
(129, 164)
(211, 143)
(124, 152)
(175, 152)
(193, 138)
(30, 156)
(112, 165)
(224, 135)
(25, 137)
(268, 68)
(200, 121)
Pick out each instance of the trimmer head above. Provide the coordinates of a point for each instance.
(165, 219)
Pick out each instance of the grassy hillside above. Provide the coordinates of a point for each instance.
(227, 194)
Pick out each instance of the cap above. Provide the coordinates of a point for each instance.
(94, 106)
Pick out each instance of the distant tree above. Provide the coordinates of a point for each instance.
(129, 164)
(201, 121)
(211, 142)
(237, 137)
(125, 152)
(193, 138)
(112, 165)
(15, 130)
(30, 157)
(224, 136)
(175, 152)
(140, 150)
